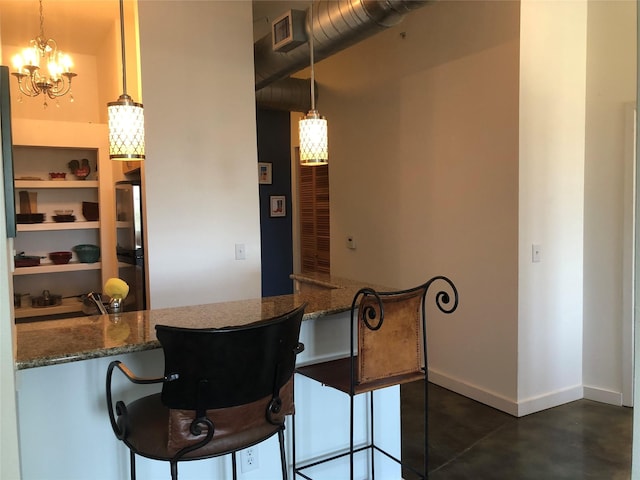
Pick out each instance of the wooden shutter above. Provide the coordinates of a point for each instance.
(314, 218)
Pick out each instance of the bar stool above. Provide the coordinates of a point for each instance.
(390, 349)
(223, 390)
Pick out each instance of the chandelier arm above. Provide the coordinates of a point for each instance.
(30, 87)
(60, 88)
(25, 89)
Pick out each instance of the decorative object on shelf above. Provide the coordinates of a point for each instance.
(46, 300)
(313, 127)
(60, 258)
(63, 212)
(32, 80)
(81, 169)
(30, 217)
(64, 218)
(57, 176)
(87, 253)
(264, 173)
(18, 299)
(126, 117)
(90, 211)
(28, 201)
(118, 290)
(22, 260)
(278, 206)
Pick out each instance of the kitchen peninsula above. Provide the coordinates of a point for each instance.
(64, 428)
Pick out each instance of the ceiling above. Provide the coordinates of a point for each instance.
(81, 23)
(84, 23)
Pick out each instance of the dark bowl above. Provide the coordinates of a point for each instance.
(60, 258)
(87, 253)
(90, 211)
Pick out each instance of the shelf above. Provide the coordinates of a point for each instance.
(49, 226)
(69, 305)
(56, 184)
(53, 268)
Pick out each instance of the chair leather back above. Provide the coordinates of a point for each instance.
(395, 348)
(221, 368)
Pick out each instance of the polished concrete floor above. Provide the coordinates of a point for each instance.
(469, 440)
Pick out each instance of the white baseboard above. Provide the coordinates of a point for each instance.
(550, 400)
(474, 392)
(509, 405)
(603, 396)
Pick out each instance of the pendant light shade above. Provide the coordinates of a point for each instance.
(313, 139)
(126, 117)
(126, 129)
(312, 128)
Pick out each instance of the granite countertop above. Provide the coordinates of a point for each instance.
(51, 342)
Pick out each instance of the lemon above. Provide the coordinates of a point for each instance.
(116, 288)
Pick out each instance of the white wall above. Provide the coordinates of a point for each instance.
(200, 168)
(9, 455)
(423, 168)
(611, 87)
(552, 137)
(461, 146)
(9, 451)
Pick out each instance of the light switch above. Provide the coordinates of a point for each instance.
(240, 251)
(351, 242)
(536, 253)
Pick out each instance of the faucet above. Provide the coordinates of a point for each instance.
(98, 301)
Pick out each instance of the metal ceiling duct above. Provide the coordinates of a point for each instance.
(337, 24)
(290, 94)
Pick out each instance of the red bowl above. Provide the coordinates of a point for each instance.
(60, 258)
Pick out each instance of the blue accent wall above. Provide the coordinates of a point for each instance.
(274, 147)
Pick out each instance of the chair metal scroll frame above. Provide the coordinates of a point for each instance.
(350, 376)
(224, 390)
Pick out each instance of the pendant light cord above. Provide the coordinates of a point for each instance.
(124, 58)
(313, 95)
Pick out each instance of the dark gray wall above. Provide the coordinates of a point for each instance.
(274, 140)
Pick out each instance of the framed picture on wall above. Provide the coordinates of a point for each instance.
(278, 206)
(264, 173)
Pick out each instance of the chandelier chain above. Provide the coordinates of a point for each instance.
(42, 22)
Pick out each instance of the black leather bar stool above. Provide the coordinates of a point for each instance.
(223, 390)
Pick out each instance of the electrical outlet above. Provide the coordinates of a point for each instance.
(249, 459)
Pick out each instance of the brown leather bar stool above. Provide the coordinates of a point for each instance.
(223, 390)
(390, 349)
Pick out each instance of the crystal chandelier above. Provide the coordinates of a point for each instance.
(126, 117)
(313, 127)
(32, 80)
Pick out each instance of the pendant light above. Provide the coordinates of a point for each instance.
(313, 127)
(126, 117)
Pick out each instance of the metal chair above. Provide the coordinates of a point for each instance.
(390, 349)
(223, 390)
